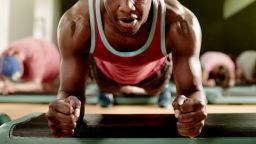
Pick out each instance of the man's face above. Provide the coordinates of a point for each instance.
(128, 15)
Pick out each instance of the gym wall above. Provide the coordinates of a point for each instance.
(22, 18)
(66, 4)
(4, 25)
(232, 35)
(46, 18)
(15, 20)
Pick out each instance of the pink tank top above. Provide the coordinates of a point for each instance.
(135, 66)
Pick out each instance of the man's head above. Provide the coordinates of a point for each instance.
(224, 77)
(128, 15)
(10, 67)
(220, 74)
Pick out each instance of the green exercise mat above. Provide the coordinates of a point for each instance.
(4, 118)
(91, 97)
(235, 95)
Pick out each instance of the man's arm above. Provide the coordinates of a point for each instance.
(184, 40)
(74, 45)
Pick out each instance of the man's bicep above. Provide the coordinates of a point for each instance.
(64, 35)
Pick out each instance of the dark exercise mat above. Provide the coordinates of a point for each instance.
(144, 126)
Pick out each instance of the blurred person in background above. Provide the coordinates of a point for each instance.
(29, 65)
(217, 69)
(246, 67)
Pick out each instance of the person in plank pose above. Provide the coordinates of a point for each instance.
(129, 43)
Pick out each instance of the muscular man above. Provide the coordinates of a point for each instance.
(29, 65)
(129, 43)
(218, 69)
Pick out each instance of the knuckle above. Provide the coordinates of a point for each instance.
(179, 125)
(195, 132)
(49, 115)
(204, 115)
(201, 124)
(79, 102)
(200, 104)
(73, 98)
(72, 125)
(67, 132)
(174, 104)
(180, 118)
(181, 132)
(67, 127)
(50, 125)
(51, 105)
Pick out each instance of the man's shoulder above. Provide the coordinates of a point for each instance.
(77, 15)
(74, 26)
(175, 11)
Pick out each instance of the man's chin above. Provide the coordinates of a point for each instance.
(128, 32)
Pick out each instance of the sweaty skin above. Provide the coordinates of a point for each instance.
(127, 25)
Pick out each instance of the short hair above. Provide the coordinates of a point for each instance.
(221, 75)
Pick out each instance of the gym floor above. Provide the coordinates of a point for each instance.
(16, 110)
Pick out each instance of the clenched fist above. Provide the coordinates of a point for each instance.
(191, 115)
(63, 115)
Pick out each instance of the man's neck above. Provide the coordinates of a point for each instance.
(122, 42)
